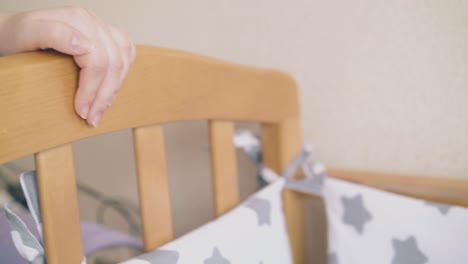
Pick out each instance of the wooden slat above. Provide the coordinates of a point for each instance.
(436, 189)
(153, 186)
(224, 166)
(162, 86)
(59, 205)
(280, 144)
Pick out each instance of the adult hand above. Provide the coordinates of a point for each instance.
(103, 52)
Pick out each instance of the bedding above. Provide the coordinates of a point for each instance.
(252, 233)
(367, 225)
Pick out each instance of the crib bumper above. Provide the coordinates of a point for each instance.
(253, 232)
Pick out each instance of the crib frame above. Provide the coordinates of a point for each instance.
(37, 117)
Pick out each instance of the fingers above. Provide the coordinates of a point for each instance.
(103, 52)
(90, 80)
(60, 37)
(102, 74)
(44, 34)
(117, 54)
(125, 44)
(112, 78)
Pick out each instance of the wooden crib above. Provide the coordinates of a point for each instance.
(37, 116)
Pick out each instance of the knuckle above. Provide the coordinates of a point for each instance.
(78, 12)
(111, 99)
(133, 53)
(54, 32)
(99, 66)
(102, 103)
(128, 51)
(84, 98)
(127, 45)
(117, 66)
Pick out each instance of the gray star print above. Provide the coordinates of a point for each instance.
(333, 258)
(407, 252)
(443, 208)
(216, 258)
(161, 255)
(262, 209)
(355, 214)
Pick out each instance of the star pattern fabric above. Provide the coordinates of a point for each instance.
(253, 232)
(355, 213)
(163, 256)
(25, 242)
(407, 252)
(333, 258)
(262, 208)
(216, 258)
(442, 208)
(367, 226)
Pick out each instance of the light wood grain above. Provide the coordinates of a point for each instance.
(153, 186)
(162, 86)
(436, 189)
(224, 166)
(281, 142)
(59, 205)
(37, 116)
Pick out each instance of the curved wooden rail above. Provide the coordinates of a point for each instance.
(37, 116)
(436, 189)
(37, 91)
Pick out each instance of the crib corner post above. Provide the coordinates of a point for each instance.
(280, 144)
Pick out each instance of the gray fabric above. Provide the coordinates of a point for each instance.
(407, 252)
(262, 209)
(443, 208)
(216, 258)
(8, 252)
(29, 185)
(355, 213)
(39, 260)
(333, 258)
(160, 256)
(314, 176)
(95, 237)
(27, 238)
(313, 182)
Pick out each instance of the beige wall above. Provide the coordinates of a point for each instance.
(384, 84)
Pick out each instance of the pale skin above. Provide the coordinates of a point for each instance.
(103, 52)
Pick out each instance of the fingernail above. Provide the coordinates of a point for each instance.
(95, 120)
(83, 112)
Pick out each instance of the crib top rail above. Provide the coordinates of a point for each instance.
(37, 117)
(436, 189)
(163, 86)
